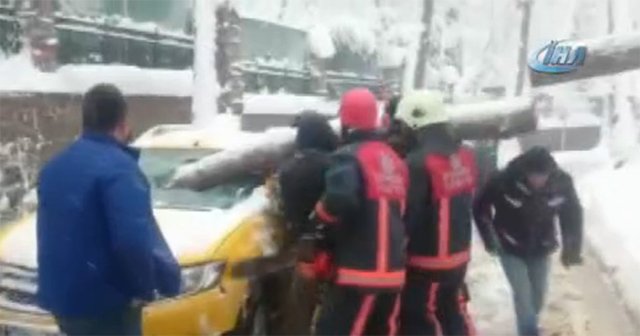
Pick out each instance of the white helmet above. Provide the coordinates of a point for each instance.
(422, 108)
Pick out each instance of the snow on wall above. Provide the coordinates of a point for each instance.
(17, 74)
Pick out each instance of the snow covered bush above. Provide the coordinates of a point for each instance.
(321, 42)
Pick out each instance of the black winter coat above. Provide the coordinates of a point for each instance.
(301, 179)
(301, 182)
(521, 221)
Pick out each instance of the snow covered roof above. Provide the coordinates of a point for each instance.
(223, 132)
(17, 74)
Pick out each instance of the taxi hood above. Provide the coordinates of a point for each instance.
(191, 234)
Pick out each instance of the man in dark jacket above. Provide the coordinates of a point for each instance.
(301, 181)
(516, 213)
(100, 252)
(362, 206)
(443, 174)
(396, 134)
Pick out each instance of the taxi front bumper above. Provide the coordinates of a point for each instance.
(210, 312)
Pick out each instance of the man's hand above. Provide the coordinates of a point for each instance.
(492, 244)
(569, 260)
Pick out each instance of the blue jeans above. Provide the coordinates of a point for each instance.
(529, 280)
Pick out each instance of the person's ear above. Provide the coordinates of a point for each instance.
(123, 132)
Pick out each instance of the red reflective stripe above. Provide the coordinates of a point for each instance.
(324, 215)
(432, 307)
(363, 315)
(468, 322)
(444, 226)
(371, 274)
(347, 276)
(440, 263)
(383, 235)
(393, 319)
(306, 269)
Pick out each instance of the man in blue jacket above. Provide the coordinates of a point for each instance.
(100, 252)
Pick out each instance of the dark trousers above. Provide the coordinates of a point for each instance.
(436, 305)
(127, 322)
(349, 311)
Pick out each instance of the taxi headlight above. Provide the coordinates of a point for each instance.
(202, 277)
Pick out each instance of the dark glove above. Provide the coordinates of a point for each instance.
(492, 245)
(570, 259)
(493, 249)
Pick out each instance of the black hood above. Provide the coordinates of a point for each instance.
(438, 136)
(350, 136)
(535, 160)
(314, 132)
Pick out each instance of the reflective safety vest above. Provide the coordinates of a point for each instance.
(370, 243)
(440, 236)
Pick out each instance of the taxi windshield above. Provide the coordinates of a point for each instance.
(159, 166)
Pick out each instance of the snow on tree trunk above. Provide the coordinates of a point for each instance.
(607, 55)
(424, 45)
(524, 43)
(488, 120)
(206, 86)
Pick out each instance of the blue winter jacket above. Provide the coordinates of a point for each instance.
(99, 247)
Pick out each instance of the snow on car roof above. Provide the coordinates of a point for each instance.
(223, 132)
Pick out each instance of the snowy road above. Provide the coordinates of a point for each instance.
(581, 302)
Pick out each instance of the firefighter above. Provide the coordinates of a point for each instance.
(363, 236)
(438, 217)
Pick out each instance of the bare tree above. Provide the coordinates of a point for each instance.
(423, 49)
(525, 6)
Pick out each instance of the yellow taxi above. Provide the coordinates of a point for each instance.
(208, 231)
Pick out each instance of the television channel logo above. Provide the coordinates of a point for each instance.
(558, 57)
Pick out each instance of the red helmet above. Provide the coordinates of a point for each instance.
(359, 110)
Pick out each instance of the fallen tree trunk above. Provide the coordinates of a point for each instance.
(495, 119)
(489, 120)
(605, 56)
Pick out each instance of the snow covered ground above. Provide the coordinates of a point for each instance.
(600, 298)
(581, 301)
(609, 197)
